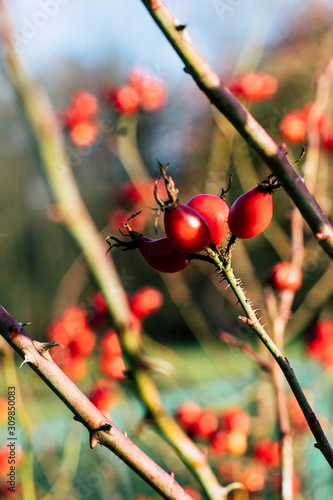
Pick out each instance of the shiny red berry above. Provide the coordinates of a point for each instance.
(159, 254)
(286, 276)
(162, 256)
(251, 213)
(215, 212)
(186, 229)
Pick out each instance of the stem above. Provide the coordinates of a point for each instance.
(251, 319)
(286, 441)
(101, 430)
(253, 133)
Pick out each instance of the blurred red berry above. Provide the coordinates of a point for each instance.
(126, 100)
(81, 118)
(267, 452)
(84, 344)
(328, 141)
(75, 367)
(254, 86)
(286, 276)
(97, 311)
(219, 444)
(258, 87)
(151, 89)
(294, 127)
(187, 414)
(72, 332)
(84, 134)
(205, 425)
(112, 366)
(236, 418)
(146, 301)
(110, 345)
(103, 395)
(85, 104)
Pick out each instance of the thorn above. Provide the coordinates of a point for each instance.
(93, 440)
(172, 474)
(28, 358)
(316, 445)
(125, 434)
(44, 347)
(180, 27)
(22, 325)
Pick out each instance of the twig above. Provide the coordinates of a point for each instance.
(247, 349)
(254, 134)
(101, 429)
(252, 321)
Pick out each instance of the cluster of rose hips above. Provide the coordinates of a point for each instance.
(72, 331)
(226, 433)
(227, 437)
(296, 125)
(200, 223)
(253, 86)
(80, 118)
(141, 91)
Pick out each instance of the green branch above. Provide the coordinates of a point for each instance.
(251, 319)
(253, 133)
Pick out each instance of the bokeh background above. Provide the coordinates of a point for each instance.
(70, 45)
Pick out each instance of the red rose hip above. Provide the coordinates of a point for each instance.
(286, 276)
(251, 213)
(215, 211)
(186, 229)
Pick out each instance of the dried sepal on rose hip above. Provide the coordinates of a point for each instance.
(252, 212)
(286, 276)
(159, 254)
(185, 228)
